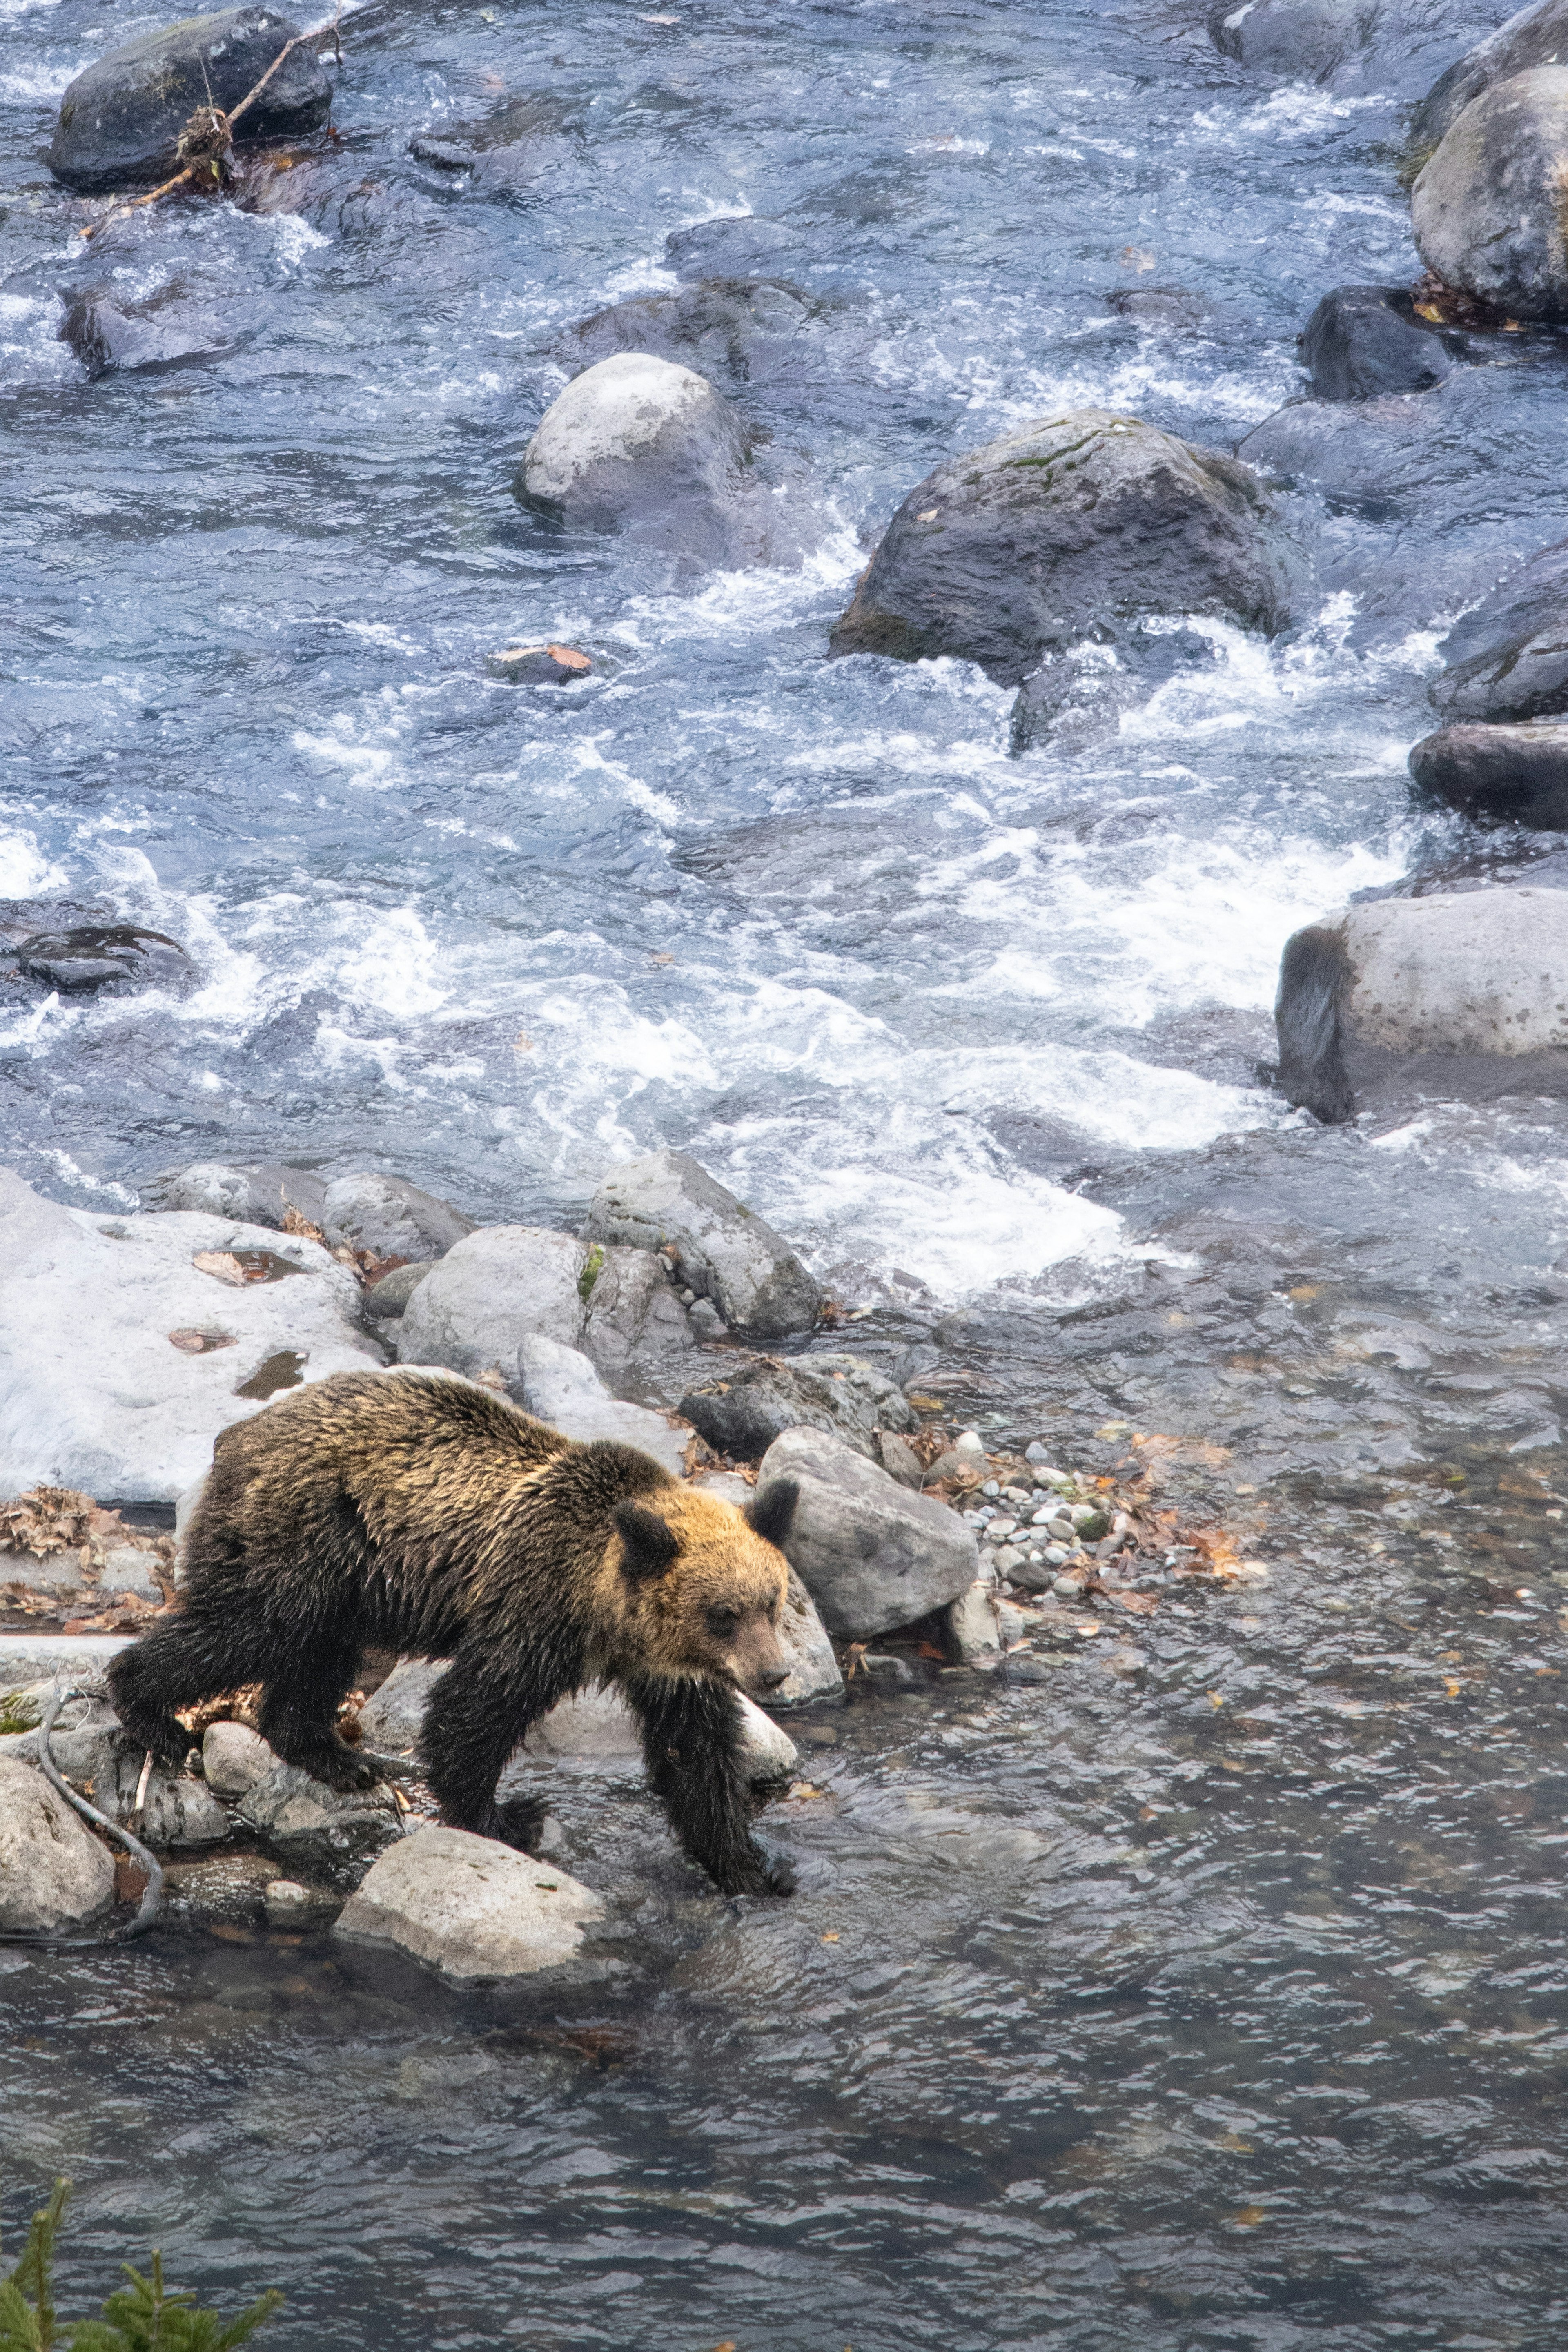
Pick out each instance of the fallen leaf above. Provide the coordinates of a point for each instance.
(929, 1649)
(1142, 1604)
(930, 515)
(831, 1936)
(191, 1342)
(1215, 1701)
(1452, 1685)
(1250, 2217)
(568, 656)
(223, 1265)
(801, 1793)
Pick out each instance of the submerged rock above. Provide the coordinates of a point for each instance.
(871, 1554)
(1076, 698)
(1468, 991)
(721, 1250)
(1362, 342)
(743, 1414)
(469, 1907)
(1535, 37)
(121, 117)
(53, 1873)
(168, 327)
(1507, 661)
(735, 331)
(1515, 775)
(112, 955)
(391, 1218)
(1071, 528)
(1486, 210)
(735, 247)
(636, 441)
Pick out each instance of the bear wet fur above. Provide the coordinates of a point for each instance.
(415, 1511)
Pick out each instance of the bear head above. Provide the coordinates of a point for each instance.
(701, 1586)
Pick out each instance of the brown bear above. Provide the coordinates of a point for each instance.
(418, 1512)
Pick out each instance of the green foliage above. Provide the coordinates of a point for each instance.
(145, 2316)
(19, 1713)
(593, 1268)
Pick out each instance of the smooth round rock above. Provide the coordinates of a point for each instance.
(1363, 342)
(1486, 210)
(1507, 775)
(1535, 37)
(632, 437)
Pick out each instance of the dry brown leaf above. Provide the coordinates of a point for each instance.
(224, 1267)
(1142, 1604)
(191, 1342)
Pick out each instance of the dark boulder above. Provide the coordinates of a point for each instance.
(1071, 528)
(736, 331)
(1536, 36)
(1165, 310)
(1362, 342)
(1486, 210)
(1507, 661)
(121, 117)
(743, 1414)
(169, 327)
(114, 955)
(1295, 41)
(539, 665)
(1505, 775)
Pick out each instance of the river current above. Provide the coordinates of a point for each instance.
(1212, 1999)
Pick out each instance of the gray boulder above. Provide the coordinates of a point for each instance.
(1365, 342)
(1486, 210)
(637, 444)
(474, 1307)
(389, 1298)
(814, 1670)
(121, 117)
(391, 1717)
(1296, 40)
(1507, 661)
(974, 1627)
(1535, 37)
(96, 1390)
(1467, 992)
(53, 1873)
(871, 1554)
(469, 1907)
(743, 1414)
(391, 1218)
(719, 1248)
(167, 328)
(254, 1193)
(1071, 528)
(97, 956)
(635, 1328)
(1508, 774)
(560, 1385)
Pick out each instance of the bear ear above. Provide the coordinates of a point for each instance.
(647, 1544)
(772, 1513)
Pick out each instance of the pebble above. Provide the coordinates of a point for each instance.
(1069, 1587)
(992, 1487)
(1009, 1559)
(288, 1903)
(1001, 1528)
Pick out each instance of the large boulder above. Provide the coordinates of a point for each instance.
(721, 1249)
(53, 1873)
(390, 1218)
(1296, 40)
(127, 1343)
(1535, 37)
(1486, 209)
(469, 1907)
(474, 1307)
(638, 444)
(635, 1328)
(1466, 990)
(166, 328)
(1363, 343)
(1071, 527)
(1501, 775)
(121, 117)
(93, 957)
(871, 1554)
(741, 1415)
(1508, 659)
(254, 1193)
(560, 1385)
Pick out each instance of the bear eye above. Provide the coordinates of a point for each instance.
(723, 1622)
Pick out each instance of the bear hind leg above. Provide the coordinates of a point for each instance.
(300, 1701)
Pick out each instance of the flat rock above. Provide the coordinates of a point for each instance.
(469, 1907)
(254, 1193)
(53, 1873)
(116, 956)
(1363, 343)
(871, 1554)
(635, 1328)
(391, 1218)
(721, 1249)
(1508, 774)
(121, 117)
(1508, 659)
(1073, 526)
(743, 1413)
(1486, 209)
(560, 1385)
(1438, 984)
(1535, 37)
(489, 1292)
(94, 1393)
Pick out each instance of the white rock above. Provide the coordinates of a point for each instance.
(814, 1671)
(560, 1385)
(872, 1554)
(92, 1393)
(393, 1717)
(469, 1907)
(592, 1724)
(235, 1757)
(129, 1569)
(490, 1291)
(53, 1873)
(971, 1622)
(633, 435)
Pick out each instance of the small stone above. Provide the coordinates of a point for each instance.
(234, 1758)
(53, 1873)
(1069, 1587)
(992, 1487)
(290, 1904)
(390, 1295)
(706, 1323)
(1036, 1452)
(1012, 1624)
(1055, 1555)
(969, 1441)
(539, 665)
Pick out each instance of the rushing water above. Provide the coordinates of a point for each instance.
(1216, 2001)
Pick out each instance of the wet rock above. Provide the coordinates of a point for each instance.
(737, 332)
(734, 248)
(391, 1218)
(560, 1385)
(393, 1717)
(234, 1758)
(1071, 528)
(1486, 211)
(168, 327)
(1507, 661)
(291, 1905)
(719, 1247)
(1295, 41)
(1362, 342)
(53, 1873)
(115, 956)
(1079, 696)
(177, 1810)
(121, 117)
(1515, 775)
(1164, 310)
(1535, 37)
(255, 1192)
(539, 665)
(743, 1414)
(898, 1459)
(1475, 978)
(973, 1627)
(478, 1302)
(814, 1671)
(469, 1908)
(94, 1394)
(303, 1819)
(389, 1298)
(768, 1755)
(872, 1555)
(636, 441)
(635, 1329)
